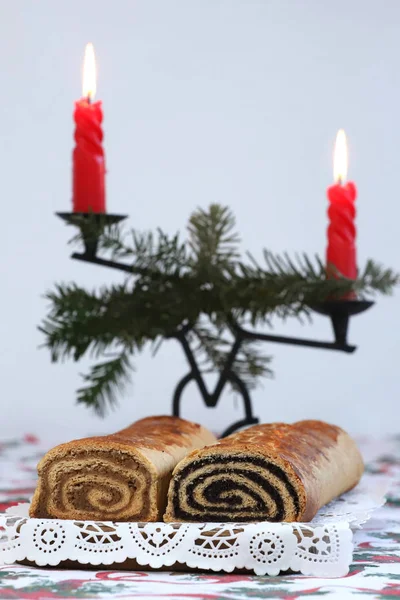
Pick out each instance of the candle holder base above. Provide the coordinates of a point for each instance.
(91, 226)
(339, 312)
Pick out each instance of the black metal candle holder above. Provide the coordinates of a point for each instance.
(91, 226)
(339, 312)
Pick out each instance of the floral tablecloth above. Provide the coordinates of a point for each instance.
(375, 572)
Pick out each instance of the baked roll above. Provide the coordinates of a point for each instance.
(273, 472)
(118, 477)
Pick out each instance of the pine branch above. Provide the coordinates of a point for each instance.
(203, 281)
(81, 322)
(212, 238)
(151, 253)
(103, 381)
(376, 279)
(68, 327)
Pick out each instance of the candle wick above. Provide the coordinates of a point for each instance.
(89, 99)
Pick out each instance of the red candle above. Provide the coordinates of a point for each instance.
(341, 251)
(88, 156)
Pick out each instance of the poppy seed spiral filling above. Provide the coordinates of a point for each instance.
(234, 488)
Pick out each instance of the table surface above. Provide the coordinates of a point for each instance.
(375, 572)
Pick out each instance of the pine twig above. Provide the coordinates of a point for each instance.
(102, 382)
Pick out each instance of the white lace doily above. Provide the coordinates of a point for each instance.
(321, 548)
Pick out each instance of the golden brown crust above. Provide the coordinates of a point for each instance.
(318, 460)
(123, 476)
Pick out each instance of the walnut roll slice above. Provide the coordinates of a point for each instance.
(118, 477)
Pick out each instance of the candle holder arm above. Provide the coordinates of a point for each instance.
(102, 262)
(293, 341)
(339, 311)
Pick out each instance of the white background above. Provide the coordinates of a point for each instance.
(230, 101)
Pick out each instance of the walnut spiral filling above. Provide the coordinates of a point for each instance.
(234, 488)
(95, 485)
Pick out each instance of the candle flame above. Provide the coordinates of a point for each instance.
(89, 73)
(340, 158)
